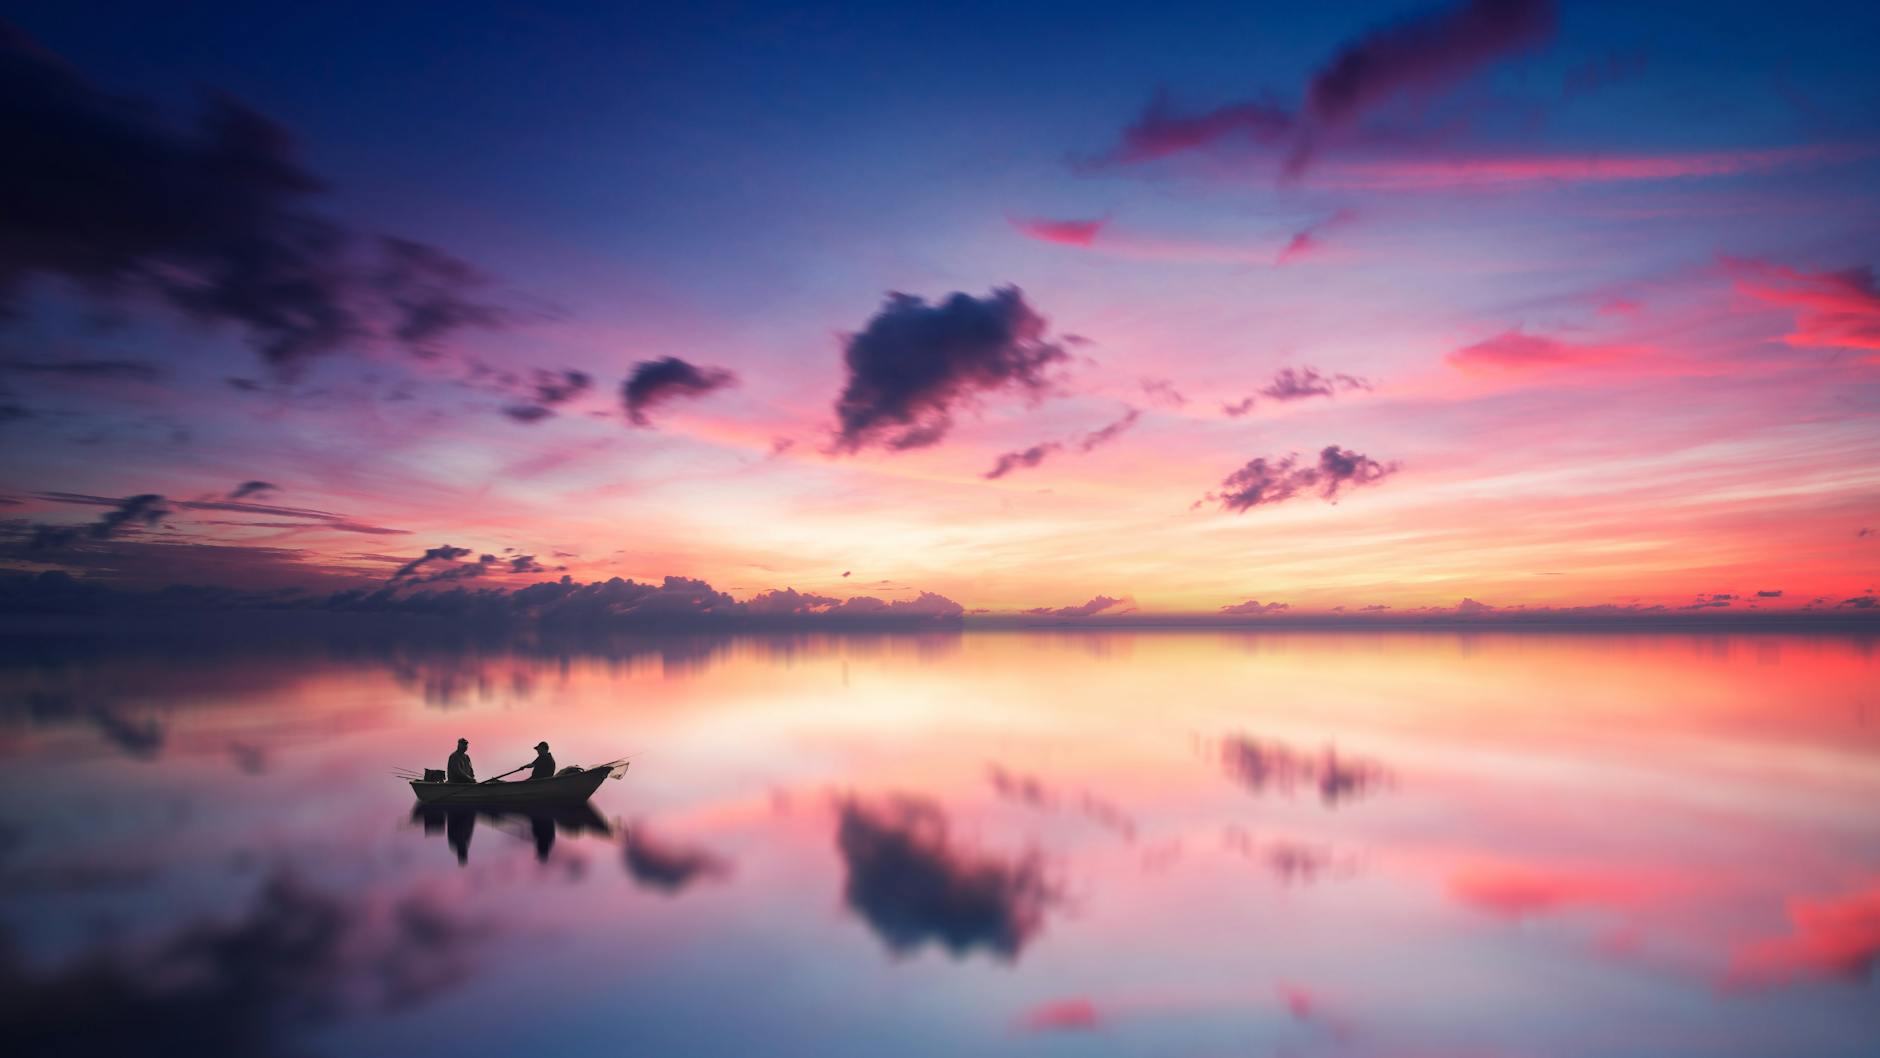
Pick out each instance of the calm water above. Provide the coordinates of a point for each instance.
(1142, 844)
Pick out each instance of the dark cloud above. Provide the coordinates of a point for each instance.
(1416, 56)
(1254, 608)
(211, 220)
(1029, 457)
(1264, 481)
(297, 961)
(914, 364)
(1298, 384)
(1238, 408)
(443, 553)
(913, 885)
(121, 370)
(1161, 131)
(1769, 594)
(549, 390)
(654, 382)
(1105, 434)
(147, 509)
(668, 868)
(1861, 602)
(1089, 609)
(1423, 53)
(431, 293)
(251, 488)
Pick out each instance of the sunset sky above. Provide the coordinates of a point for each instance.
(1169, 309)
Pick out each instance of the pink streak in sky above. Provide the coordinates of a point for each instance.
(1062, 232)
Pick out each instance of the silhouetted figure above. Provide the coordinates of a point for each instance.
(544, 766)
(459, 768)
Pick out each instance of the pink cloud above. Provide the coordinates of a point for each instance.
(1833, 937)
(1061, 1015)
(1835, 310)
(1061, 232)
(1513, 351)
(1309, 241)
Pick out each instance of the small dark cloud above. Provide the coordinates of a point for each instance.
(913, 884)
(549, 390)
(915, 363)
(431, 293)
(1237, 408)
(1095, 606)
(528, 413)
(147, 509)
(1860, 602)
(1254, 608)
(1300, 383)
(1029, 457)
(251, 488)
(655, 382)
(1162, 130)
(1263, 481)
(525, 564)
(669, 868)
(442, 553)
(1105, 434)
(1413, 57)
(1769, 594)
(1423, 53)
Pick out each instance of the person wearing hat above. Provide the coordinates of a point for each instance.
(459, 768)
(544, 767)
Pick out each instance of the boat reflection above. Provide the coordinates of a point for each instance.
(538, 824)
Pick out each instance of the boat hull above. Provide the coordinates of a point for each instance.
(562, 789)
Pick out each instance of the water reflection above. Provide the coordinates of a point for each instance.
(538, 825)
(913, 883)
(1583, 845)
(297, 959)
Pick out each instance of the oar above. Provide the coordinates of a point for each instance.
(464, 787)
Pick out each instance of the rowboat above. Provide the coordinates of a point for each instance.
(572, 788)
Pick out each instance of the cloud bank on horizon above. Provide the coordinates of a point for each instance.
(1427, 302)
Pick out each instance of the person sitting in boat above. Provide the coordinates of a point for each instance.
(544, 766)
(459, 769)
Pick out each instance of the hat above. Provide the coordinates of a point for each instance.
(541, 745)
